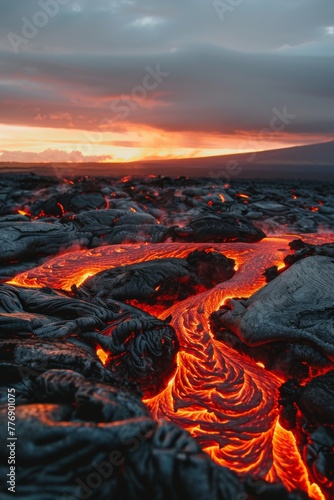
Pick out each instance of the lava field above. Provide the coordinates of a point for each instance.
(167, 338)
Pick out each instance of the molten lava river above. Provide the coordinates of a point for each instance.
(227, 401)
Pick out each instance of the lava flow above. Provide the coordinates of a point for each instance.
(227, 401)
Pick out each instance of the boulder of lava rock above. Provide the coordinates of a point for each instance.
(219, 228)
(160, 282)
(47, 314)
(309, 410)
(141, 348)
(135, 233)
(102, 443)
(315, 401)
(288, 324)
(24, 359)
(75, 201)
(96, 222)
(110, 227)
(114, 226)
(29, 240)
(300, 250)
(99, 221)
(270, 208)
(319, 456)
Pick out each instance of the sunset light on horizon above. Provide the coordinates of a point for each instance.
(45, 145)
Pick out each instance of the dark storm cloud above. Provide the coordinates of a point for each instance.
(153, 25)
(225, 73)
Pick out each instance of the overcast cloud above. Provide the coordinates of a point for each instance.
(224, 75)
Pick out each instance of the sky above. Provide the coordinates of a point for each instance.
(123, 80)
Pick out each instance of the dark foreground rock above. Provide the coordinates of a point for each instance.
(288, 324)
(140, 347)
(309, 411)
(88, 439)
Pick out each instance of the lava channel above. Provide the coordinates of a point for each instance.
(227, 401)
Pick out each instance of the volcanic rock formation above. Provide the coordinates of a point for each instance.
(288, 324)
(106, 330)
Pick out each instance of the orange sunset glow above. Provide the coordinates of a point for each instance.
(131, 144)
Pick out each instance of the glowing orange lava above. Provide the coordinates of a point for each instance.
(102, 355)
(24, 212)
(227, 401)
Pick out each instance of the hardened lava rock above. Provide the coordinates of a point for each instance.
(300, 250)
(114, 226)
(301, 207)
(92, 400)
(23, 359)
(81, 438)
(159, 282)
(28, 240)
(314, 401)
(288, 324)
(140, 347)
(47, 314)
(309, 411)
(135, 233)
(100, 222)
(74, 201)
(319, 457)
(219, 228)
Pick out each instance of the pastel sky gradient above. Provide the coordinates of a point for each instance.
(120, 80)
